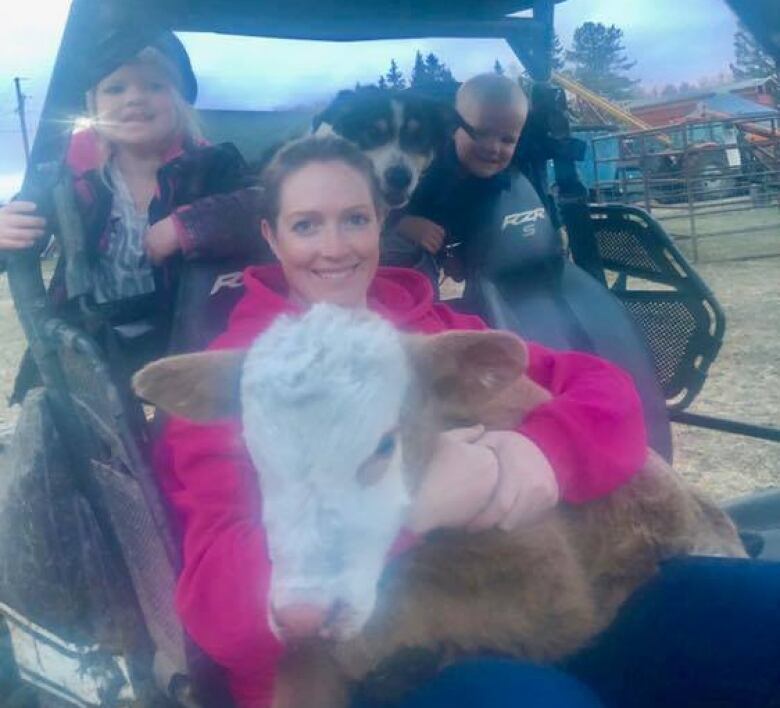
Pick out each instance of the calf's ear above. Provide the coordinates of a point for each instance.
(202, 386)
(467, 371)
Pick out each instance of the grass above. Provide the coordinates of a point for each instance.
(749, 233)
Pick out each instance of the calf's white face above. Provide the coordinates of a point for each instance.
(321, 402)
(328, 402)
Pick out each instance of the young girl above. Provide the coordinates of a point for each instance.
(147, 187)
(322, 220)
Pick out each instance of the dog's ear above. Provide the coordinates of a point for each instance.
(334, 110)
(202, 386)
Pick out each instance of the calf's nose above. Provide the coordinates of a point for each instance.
(300, 621)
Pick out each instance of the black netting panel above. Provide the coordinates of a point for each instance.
(670, 328)
(153, 576)
(41, 571)
(88, 383)
(621, 245)
(128, 494)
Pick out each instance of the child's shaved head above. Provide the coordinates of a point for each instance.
(494, 90)
(495, 108)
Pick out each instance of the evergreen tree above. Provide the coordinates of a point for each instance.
(558, 54)
(394, 77)
(599, 60)
(419, 71)
(750, 60)
(498, 69)
(438, 71)
(382, 83)
(430, 72)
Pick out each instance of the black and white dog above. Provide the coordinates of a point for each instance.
(400, 132)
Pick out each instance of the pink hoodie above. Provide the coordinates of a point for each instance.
(592, 432)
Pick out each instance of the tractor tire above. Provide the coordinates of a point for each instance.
(665, 182)
(709, 175)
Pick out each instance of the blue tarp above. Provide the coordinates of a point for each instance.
(735, 105)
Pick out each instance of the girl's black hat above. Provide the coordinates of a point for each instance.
(120, 45)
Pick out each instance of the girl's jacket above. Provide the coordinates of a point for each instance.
(205, 188)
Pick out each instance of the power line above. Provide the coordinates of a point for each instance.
(20, 99)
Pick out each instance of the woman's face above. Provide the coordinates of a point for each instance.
(327, 234)
(136, 106)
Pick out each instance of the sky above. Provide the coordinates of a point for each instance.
(671, 40)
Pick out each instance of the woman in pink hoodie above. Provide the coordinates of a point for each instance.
(323, 220)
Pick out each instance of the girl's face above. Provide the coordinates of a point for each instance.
(327, 234)
(136, 107)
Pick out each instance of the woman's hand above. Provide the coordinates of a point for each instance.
(482, 480)
(424, 232)
(161, 240)
(458, 484)
(19, 227)
(526, 486)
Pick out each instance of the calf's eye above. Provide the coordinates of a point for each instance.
(374, 468)
(386, 446)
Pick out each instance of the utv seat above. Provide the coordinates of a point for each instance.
(525, 283)
(680, 319)
(208, 291)
(115, 450)
(117, 453)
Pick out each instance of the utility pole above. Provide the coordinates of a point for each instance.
(20, 99)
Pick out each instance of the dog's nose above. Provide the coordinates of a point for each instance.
(398, 178)
(300, 621)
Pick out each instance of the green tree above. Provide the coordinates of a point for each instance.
(394, 77)
(750, 60)
(382, 83)
(438, 72)
(430, 72)
(419, 71)
(558, 54)
(599, 61)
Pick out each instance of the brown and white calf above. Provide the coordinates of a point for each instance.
(340, 412)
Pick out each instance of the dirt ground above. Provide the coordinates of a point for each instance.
(744, 382)
(11, 349)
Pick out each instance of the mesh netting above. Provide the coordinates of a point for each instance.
(670, 328)
(117, 466)
(621, 245)
(153, 576)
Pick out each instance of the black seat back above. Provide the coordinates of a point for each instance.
(207, 293)
(523, 282)
(679, 317)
